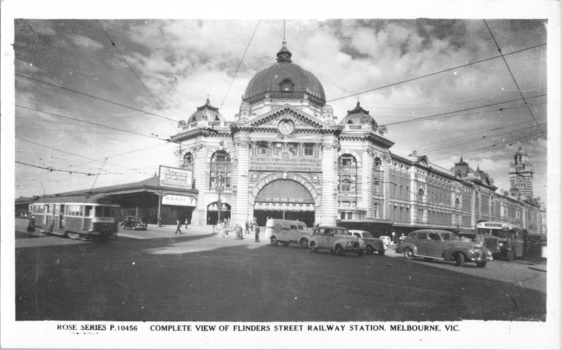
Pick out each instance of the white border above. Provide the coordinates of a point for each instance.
(474, 334)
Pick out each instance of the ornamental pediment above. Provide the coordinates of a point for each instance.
(286, 119)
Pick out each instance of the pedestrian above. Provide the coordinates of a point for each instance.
(186, 223)
(239, 232)
(178, 229)
(247, 225)
(257, 233)
(31, 225)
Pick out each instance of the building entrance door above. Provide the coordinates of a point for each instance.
(284, 199)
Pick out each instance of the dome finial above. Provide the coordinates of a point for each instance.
(208, 102)
(284, 55)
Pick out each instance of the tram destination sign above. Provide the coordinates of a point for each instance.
(175, 177)
(282, 164)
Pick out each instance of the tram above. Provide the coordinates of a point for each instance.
(77, 217)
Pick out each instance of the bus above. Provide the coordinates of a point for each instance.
(502, 238)
(76, 217)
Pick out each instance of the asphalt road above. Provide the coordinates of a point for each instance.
(159, 276)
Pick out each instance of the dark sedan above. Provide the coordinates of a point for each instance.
(133, 223)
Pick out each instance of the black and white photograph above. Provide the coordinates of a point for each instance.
(281, 174)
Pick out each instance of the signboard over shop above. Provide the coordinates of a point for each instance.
(171, 199)
(175, 177)
(292, 164)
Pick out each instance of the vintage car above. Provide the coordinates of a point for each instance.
(444, 245)
(133, 223)
(336, 239)
(287, 231)
(372, 244)
(386, 239)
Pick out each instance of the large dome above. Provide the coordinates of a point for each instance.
(284, 79)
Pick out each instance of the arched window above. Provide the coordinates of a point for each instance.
(347, 171)
(287, 85)
(220, 170)
(188, 161)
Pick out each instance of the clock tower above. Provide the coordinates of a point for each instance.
(521, 175)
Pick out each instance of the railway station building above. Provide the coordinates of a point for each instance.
(284, 155)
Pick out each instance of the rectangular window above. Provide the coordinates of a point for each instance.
(262, 150)
(294, 148)
(309, 149)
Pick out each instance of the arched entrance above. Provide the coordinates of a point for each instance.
(213, 213)
(284, 199)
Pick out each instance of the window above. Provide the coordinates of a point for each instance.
(434, 237)
(262, 149)
(220, 170)
(294, 148)
(347, 172)
(421, 235)
(286, 85)
(309, 149)
(276, 148)
(188, 160)
(346, 186)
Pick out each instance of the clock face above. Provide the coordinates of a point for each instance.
(519, 180)
(286, 126)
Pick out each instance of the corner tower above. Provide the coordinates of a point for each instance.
(521, 175)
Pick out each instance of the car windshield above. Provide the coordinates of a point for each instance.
(366, 235)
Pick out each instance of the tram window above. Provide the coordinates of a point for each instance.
(103, 211)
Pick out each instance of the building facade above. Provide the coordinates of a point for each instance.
(284, 156)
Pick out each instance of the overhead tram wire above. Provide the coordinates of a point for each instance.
(436, 73)
(445, 115)
(511, 142)
(475, 140)
(132, 70)
(514, 80)
(51, 169)
(239, 64)
(91, 96)
(478, 132)
(96, 124)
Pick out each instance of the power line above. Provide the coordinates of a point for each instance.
(475, 140)
(435, 73)
(96, 124)
(474, 133)
(116, 48)
(53, 169)
(239, 64)
(462, 110)
(88, 95)
(514, 80)
(79, 131)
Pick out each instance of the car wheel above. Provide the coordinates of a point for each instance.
(360, 253)
(285, 244)
(370, 250)
(381, 252)
(313, 247)
(408, 254)
(459, 259)
(274, 241)
(339, 249)
(509, 255)
(304, 243)
(481, 264)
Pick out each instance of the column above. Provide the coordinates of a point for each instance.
(199, 216)
(367, 188)
(328, 212)
(242, 152)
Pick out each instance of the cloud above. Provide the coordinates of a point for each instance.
(84, 42)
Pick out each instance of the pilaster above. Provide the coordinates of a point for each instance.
(240, 210)
(328, 212)
(367, 188)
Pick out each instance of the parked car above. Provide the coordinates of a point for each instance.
(336, 239)
(443, 245)
(372, 244)
(133, 223)
(387, 240)
(286, 231)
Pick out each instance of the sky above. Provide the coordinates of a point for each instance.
(160, 71)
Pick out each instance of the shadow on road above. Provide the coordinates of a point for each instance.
(206, 278)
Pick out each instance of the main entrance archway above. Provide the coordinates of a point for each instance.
(284, 199)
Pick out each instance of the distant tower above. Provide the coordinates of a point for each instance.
(521, 175)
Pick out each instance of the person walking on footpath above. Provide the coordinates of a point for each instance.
(247, 228)
(178, 229)
(186, 223)
(31, 225)
(257, 233)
